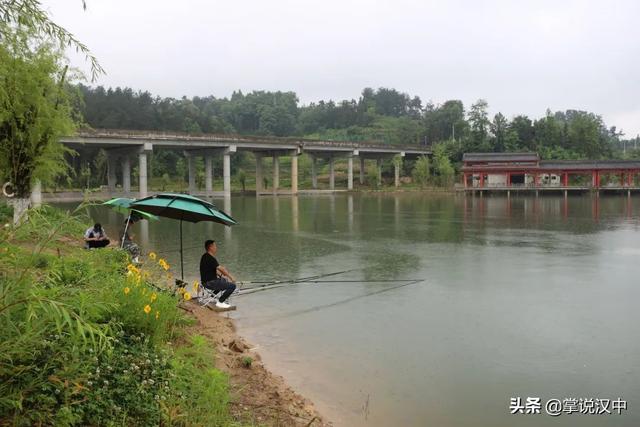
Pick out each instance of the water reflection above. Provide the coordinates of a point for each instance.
(294, 214)
(348, 220)
(350, 212)
(227, 209)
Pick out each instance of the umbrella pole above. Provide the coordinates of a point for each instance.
(125, 231)
(181, 259)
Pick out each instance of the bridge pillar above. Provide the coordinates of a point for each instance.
(361, 170)
(208, 174)
(112, 179)
(191, 164)
(397, 163)
(258, 172)
(126, 174)
(332, 174)
(314, 173)
(350, 172)
(226, 170)
(276, 173)
(294, 174)
(396, 167)
(379, 167)
(142, 173)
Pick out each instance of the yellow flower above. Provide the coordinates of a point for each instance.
(181, 291)
(195, 285)
(127, 290)
(187, 296)
(157, 315)
(147, 309)
(153, 297)
(129, 273)
(163, 264)
(152, 255)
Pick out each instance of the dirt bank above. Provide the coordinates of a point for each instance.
(257, 395)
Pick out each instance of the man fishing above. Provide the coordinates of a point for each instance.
(215, 277)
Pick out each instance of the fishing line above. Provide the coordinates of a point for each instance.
(363, 281)
(279, 284)
(340, 302)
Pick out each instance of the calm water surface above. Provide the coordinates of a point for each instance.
(521, 297)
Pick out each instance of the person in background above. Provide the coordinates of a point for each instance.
(126, 241)
(215, 277)
(95, 237)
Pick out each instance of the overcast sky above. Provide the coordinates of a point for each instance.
(521, 56)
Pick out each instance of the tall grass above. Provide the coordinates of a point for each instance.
(84, 336)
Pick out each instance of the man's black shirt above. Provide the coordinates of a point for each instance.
(208, 268)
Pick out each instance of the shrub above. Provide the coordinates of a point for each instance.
(372, 175)
(201, 392)
(247, 361)
(84, 337)
(6, 213)
(242, 179)
(422, 171)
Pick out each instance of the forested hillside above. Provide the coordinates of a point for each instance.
(384, 115)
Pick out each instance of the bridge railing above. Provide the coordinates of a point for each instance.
(301, 142)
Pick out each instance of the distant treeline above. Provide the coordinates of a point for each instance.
(384, 115)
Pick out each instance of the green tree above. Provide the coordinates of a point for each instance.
(34, 114)
(479, 123)
(29, 15)
(372, 175)
(242, 179)
(499, 131)
(442, 165)
(34, 106)
(548, 131)
(445, 122)
(422, 171)
(524, 132)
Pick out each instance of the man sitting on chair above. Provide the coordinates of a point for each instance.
(215, 277)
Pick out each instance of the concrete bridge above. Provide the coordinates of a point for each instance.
(123, 145)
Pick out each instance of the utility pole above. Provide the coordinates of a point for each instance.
(453, 131)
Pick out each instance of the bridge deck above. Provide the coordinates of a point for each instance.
(121, 139)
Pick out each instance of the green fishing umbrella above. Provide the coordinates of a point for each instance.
(183, 208)
(123, 205)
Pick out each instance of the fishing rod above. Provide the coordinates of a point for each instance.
(364, 281)
(340, 302)
(278, 284)
(354, 298)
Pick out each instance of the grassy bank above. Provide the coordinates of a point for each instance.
(88, 339)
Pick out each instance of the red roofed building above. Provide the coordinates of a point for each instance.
(526, 171)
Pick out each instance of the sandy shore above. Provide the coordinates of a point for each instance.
(257, 395)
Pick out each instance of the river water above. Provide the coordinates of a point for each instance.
(519, 297)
